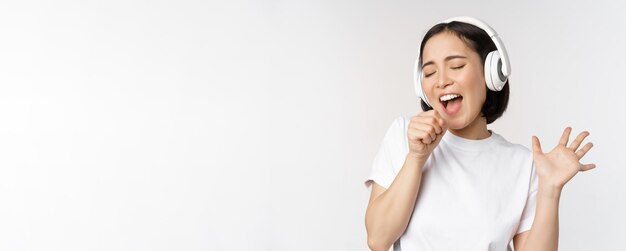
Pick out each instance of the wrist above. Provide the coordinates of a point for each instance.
(550, 190)
(421, 160)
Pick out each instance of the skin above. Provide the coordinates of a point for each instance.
(450, 66)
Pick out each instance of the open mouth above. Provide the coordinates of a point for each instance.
(451, 102)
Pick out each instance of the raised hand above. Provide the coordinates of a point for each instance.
(561, 164)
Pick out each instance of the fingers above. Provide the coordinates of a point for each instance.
(416, 135)
(576, 143)
(430, 114)
(565, 136)
(580, 153)
(431, 130)
(537, 146)
(426, 127)
(579, 139)
(429, 121)
(587, 167)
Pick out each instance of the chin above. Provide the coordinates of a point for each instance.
(456, 124)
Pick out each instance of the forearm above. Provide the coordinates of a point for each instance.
(388, 215)
(544, 233)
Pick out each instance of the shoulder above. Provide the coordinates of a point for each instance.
(504, 146)
(396, 135)
(398, 126)
(402, 121)
(516, 156)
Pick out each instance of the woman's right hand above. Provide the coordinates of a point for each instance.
(424, 133)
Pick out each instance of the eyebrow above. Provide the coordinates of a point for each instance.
(446, 59)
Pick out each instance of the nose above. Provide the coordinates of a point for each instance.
(443, 81)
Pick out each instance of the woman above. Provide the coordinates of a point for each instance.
(443, 181)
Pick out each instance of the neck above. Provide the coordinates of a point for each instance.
(475, 131)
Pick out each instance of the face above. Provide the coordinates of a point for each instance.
(453, 80)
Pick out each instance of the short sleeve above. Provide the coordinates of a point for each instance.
(390, 154)
(528, 215)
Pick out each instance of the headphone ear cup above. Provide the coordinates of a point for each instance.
(494, 78)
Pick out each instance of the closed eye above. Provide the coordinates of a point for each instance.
(458, 67)
(454, 68)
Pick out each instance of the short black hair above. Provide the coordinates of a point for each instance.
(479, 41)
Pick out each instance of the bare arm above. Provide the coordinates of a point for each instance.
(544, 233)
(388, 211)
(554, 169)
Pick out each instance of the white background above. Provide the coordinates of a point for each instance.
(192, 125)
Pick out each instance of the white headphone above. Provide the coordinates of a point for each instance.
(497, 66)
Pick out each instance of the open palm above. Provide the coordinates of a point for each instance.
(562, 163)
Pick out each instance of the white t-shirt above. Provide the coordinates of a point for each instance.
(474, 194)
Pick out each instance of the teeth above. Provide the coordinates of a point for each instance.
(449, 97)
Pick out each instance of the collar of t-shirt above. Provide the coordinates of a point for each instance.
(470, 144)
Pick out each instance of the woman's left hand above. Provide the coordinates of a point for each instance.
(558, 166)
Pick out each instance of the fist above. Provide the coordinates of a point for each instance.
(425, 131)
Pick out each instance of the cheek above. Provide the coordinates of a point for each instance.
(428, 86)
(474, 84)
(480, 89)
